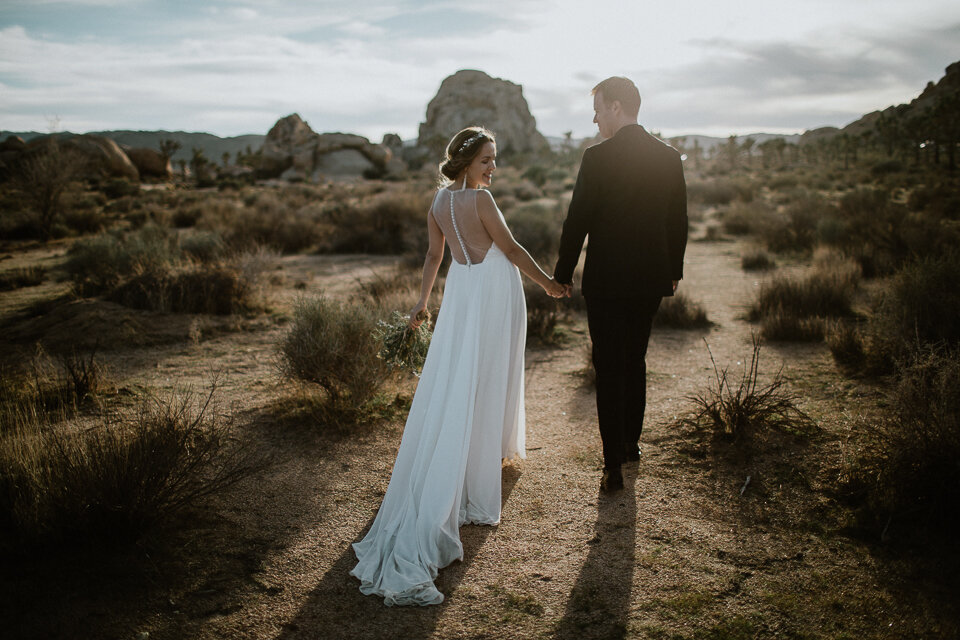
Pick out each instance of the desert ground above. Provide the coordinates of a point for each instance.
(708, 539)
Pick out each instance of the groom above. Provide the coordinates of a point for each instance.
(630, 199)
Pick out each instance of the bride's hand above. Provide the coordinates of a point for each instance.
(555, 289)
(418, 314)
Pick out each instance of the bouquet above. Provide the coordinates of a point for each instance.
(403, 347)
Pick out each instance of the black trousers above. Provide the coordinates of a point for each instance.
(620, 331)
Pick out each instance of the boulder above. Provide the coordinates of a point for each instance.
(104, 157)
(345, 163)
(292, 150)
(471, 98)
(149, 162)
(13, 143)
(92, 157)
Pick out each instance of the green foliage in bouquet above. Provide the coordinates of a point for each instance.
(403, 347)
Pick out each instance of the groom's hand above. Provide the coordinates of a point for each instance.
(675, 283)
(567, 290)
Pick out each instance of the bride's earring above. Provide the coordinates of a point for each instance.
(464, 181)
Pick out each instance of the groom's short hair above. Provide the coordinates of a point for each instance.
(622, 89)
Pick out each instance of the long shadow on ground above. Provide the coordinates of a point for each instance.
(599, 604)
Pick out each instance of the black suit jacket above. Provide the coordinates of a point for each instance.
(631, 200)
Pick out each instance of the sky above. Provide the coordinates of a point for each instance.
(231, 67)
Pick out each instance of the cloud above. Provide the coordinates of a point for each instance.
(371, 66)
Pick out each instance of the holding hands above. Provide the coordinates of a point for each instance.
(557, 290)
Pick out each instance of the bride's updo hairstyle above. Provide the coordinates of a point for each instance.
(461, 151)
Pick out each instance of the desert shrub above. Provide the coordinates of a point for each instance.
(924, 301)
(45, 390)
(124, 204)
(214, 288)
(543, 314)
(886, 167)
(791, 308)
(205, 246)
(42, 179)
(115, 480)
(720, 191)
(757, 260)
(794, 226)
(846, 344)
(392, 223)
(825, 292)
(537, 174)
(397, 290)
(115, 188)
(782, 325)
(741, 218)
(526, 190)
(783, 181)
(742, 411)
(84, 220)
(907, 474)
(680, 312)
(186, 215)
(332, 345)
(100, 263)
(941, 200)
(21, 277)
(712, 233)
(265, 219)
(146, 269)
(537, 226)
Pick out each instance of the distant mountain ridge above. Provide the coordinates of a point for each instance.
(213, 146)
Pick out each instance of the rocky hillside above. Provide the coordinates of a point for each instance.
(933, 93)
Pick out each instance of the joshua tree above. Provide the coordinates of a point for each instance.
(169, 148)
(199, 164)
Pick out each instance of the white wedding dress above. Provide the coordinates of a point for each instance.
(467, 414)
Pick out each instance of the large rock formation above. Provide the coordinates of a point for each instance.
(95, 157)
(104, 157)
(469, 98)
(149, 162)
(293, 150)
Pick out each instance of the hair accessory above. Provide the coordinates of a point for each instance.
(469, 141)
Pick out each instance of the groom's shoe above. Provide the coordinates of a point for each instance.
(611, 481)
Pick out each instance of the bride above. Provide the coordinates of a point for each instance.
(467, 413)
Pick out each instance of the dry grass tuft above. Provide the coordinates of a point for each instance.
(115, 480)
(741, 413)
(680, 312)
(22, 277)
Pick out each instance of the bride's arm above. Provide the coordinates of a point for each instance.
(431, 264)
(496, 226)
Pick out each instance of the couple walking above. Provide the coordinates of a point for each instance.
(468, 412)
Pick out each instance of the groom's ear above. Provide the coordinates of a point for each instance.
(616, 106)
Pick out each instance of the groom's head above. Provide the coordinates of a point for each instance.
(616, 102)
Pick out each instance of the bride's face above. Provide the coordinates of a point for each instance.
(480, 171)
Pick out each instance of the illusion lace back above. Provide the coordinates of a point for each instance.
(475, 238)
(466, 415)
